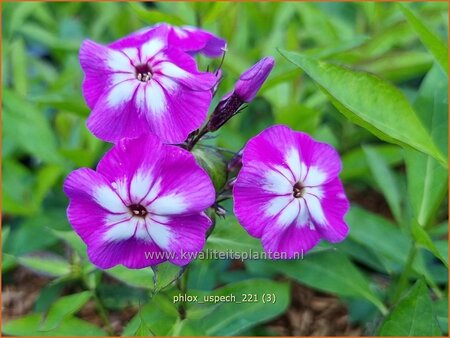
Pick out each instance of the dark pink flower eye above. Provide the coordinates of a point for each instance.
(288, 192)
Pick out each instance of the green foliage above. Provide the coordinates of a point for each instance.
(360, 101)
(164, 275)
(62, 308)
(386, 181)
(29, 326)
(427, 180)
(51, 265)
(429, 39)
(231, 318)
(369, 78)
(331, 271)
(413, 316)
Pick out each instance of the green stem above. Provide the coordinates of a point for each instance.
(99, 305)
(103, 314)
(403, 281)
(183, 290)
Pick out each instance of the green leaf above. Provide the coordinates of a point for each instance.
(70, 103)
(441, 310)
(382, 237)
(214, 164)
(369, 102)
(399, 67)
(165, 274)
(433, 43)
(229, 235)
(141, 278)
(158, 317)
(73, 240)
(8, 262)
(330, 271)
(24, 239)
(62, 308)
(143, 331)
(28, 326)
(51, 265)
(427, 185)
(355, 164)
(18, 117)
(386, 181)
(424, 240)
(46, 179)
(19, 63)
(20, 13)
(234, 317)
(5, 234)
(413, 316)
(154, 16)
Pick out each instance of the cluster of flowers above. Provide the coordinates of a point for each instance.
(148, 194)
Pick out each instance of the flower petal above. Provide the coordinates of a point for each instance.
(99, 63)
(133, 254)
(182, 68)
(185, 111)
(323, 162)
(334, 206)
(111, 122)
(274, 147)
(181, 236)
(185, 186)
(289, 242)
(88, 211)
(137, 39)
(257, 203)
(87, 184)
(196, 40)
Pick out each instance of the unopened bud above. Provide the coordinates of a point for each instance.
(253, 78)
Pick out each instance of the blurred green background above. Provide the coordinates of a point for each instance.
(386, 267)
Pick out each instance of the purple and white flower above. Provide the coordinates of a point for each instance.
(143, 205)
(288, 192)
(142, 83)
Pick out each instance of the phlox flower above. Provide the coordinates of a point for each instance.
(288, 192)
(143, 205)
(142, 83)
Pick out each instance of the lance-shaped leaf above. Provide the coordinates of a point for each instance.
(370, 102)
(433, 43)
(413, 316)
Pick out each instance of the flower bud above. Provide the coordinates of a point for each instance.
(228, 106)
(245, 90)
(253, 78)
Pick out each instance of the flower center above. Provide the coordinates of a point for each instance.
(144, 73)
(298, 190)
(138, 210)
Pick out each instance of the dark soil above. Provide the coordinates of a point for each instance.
(313, 314)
